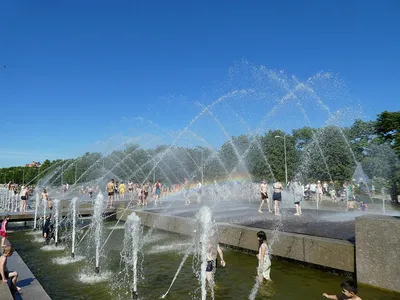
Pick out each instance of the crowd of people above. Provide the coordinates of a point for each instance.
(118, 190)
(311, 192)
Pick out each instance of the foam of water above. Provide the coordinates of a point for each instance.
(38, 239)
(168, 248)
(254, 290)
(52, 248)
(155, 238)
(115, 227)
(67, 260)
(37, 232)
(94, 278)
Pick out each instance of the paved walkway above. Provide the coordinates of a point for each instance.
(31, 288)
(332, 222)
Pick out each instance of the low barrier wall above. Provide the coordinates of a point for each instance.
(331, 253)
(31, 288)
(377, 251)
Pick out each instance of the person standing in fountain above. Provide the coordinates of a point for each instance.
(24, 198)
(298, 194)
(158, 192)
(277, 196)
(45, 196)
(122, 191)
(90, 192)
(3, 231)
(213, 249)
(110, 190)
(48, 231)
(145, 192)
(264, 262)
(264, 196)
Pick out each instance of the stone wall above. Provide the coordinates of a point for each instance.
(377, 251)
(331, 253)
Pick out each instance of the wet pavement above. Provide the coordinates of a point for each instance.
(338, 224)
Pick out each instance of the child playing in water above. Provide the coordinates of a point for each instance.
(349, 291)
(3, 231)
(4, 273)
(363, 206)
(264, 263)
(212, 250)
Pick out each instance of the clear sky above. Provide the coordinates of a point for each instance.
(82, 76)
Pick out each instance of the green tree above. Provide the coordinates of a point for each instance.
(360, 135)
(327, 157)
(388, 128)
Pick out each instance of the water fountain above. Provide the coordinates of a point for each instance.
(37, 203)
(97, 227)
(56, 218)
(44, 203)
(206, 230)
(73, 209)
(227, 170)
(130, 251)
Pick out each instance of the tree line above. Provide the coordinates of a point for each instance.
(329, 153)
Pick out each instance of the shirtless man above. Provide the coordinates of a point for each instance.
(277, 196)
(45, 196)
(110, 190)
(264, 196)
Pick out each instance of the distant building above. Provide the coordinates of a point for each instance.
(33, 164)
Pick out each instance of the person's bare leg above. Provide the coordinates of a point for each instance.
(261, 279)
(14, 278)
(276, 207)
(269, 205)
(261, 204)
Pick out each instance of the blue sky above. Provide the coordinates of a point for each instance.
(90, 75)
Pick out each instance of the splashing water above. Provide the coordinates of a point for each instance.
(178, 271)
(56, 218)
(97, 226)
(254, 290)
(168, 248)
(52, 248)
(37, 202)
(204, 217)
(96, 278)
(67, 260)
(72, 208)
(132, 242)
(44, 210)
